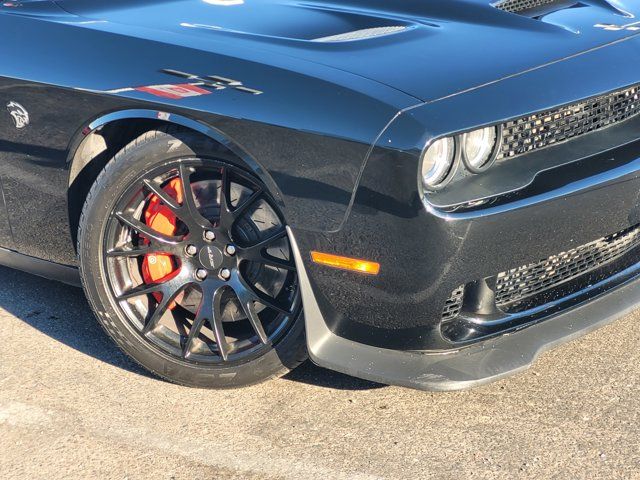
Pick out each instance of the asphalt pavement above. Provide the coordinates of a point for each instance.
(72, 406)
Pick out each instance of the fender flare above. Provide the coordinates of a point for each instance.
(174, 119)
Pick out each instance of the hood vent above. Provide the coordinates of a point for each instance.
(361, 34)
(524, 6)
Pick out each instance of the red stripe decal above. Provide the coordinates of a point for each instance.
(175, 92)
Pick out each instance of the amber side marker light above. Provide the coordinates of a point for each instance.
(346, 263)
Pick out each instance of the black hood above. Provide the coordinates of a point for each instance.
(425, 48)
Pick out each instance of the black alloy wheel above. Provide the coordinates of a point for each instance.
(194, 260)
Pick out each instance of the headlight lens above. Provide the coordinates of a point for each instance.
(478, 148)
(437, 162)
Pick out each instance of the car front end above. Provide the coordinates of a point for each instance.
(504, 219)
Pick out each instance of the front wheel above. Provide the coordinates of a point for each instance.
(186, 262)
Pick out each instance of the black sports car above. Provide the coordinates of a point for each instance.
(444, 188)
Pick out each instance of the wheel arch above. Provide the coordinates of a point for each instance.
(99, 140)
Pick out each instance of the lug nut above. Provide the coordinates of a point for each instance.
(201, 274)
(231, 250)
(209, 236)
(225, 274)
(191, 250)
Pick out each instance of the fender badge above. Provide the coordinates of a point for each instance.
(610, 27)
(19, 114)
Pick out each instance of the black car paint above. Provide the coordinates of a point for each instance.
(337, 133)
(5, 230)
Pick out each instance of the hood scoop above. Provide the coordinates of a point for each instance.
(532, 7)
(538, 8)
(362, 34)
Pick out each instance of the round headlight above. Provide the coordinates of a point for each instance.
(437, 162)
(479, 148)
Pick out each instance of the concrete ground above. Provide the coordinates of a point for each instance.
(72, 406)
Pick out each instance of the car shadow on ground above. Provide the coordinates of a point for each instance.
(61, 312)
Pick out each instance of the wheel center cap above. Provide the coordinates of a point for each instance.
(211, 257)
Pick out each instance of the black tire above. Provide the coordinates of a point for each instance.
(152, 150)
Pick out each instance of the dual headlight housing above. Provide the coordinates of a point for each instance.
(476, 150)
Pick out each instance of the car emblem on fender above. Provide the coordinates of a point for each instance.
(19, 114)
(198, 86)
(630, 27)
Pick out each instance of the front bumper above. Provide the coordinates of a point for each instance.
(468, 367)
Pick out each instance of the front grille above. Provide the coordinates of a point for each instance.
(541, 130)
(517, 6)
(453, 305)
(530, 280)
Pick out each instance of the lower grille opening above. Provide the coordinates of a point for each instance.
(516, 289)
(521, 295)
(453, 305)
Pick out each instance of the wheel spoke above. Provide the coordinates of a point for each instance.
(245, 205)
(142, 289)
(164, 197)
(267, 259)
(145, 230)
(169, 295)
(216, 323)
(250, 311)
(130, 251)
(267, 242)
(258, 253)
(228, 214)
(189, 201)
(246, 292)
(226, 217)
(194, 333)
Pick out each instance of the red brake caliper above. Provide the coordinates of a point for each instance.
(158, 267)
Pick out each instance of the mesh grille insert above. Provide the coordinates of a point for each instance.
(517, 6)
(544, 129)
(361, 34)
(529, 280)
(453, 305)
